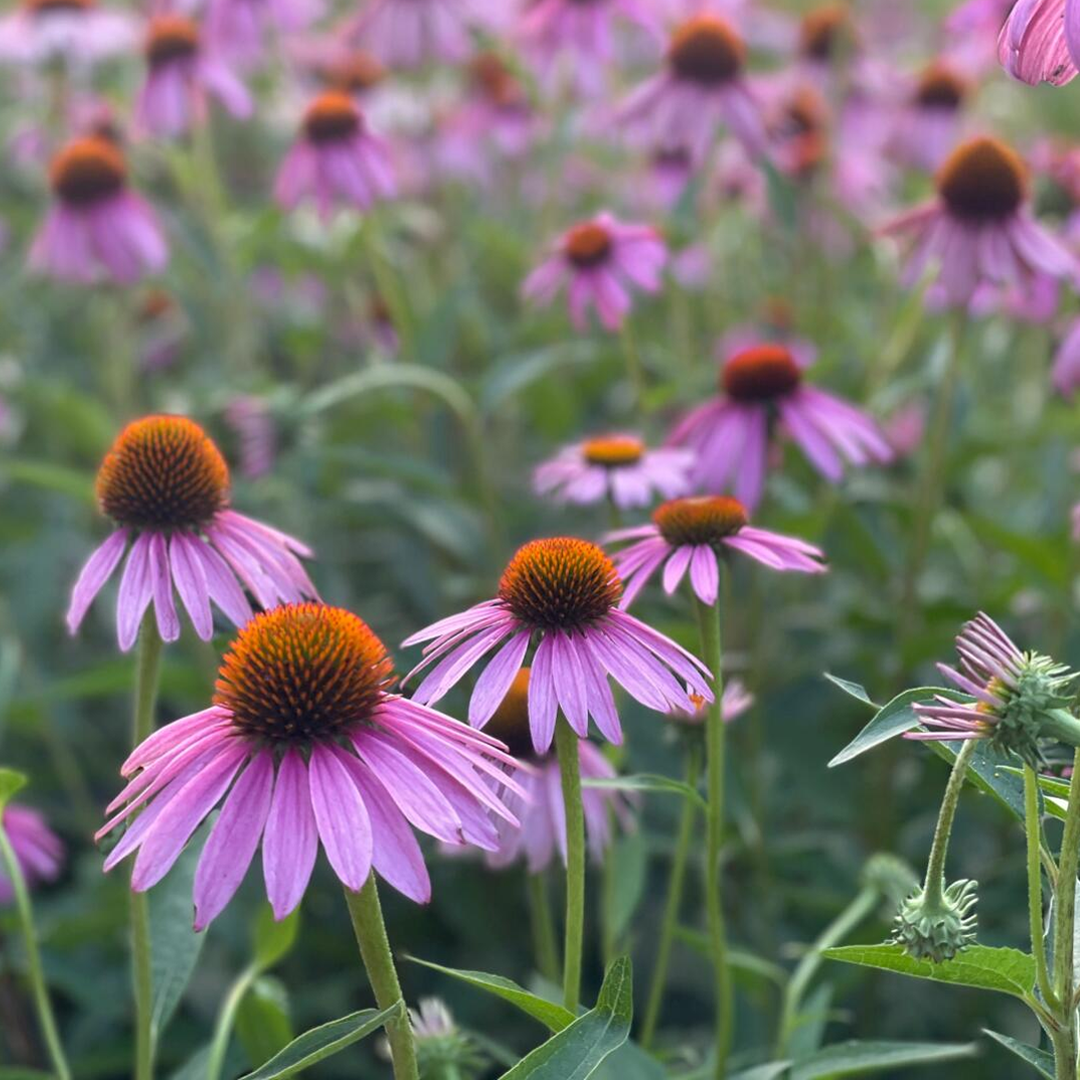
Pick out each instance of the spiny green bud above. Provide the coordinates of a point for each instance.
(936, 929)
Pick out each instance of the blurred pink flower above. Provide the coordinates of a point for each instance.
(96, 226)
(618, 467)
(182, 71)
(927, 125)
(702, 87)
(235, 28)
(315, 748)
(595, 261)
(735, 700)
(1066, 373)
(79, 32)
(690, 535)
(1040, 41)
(565, 592)
(406, 33)
(253, 425)
(761, 386)
(166, 486)
(539, 806)
(905, 428)
(575, 38)
(336, 158)
(39, 852)
(979, 228)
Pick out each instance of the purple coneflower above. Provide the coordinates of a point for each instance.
(78, 32)
(564, 593)
(691, 534)
(1040, 41)
(596, 261)
(617, 467)
(1018, 697)
(38, 850)
(235, 27)
(927, 126)
(406, 33)
(181, 73)
(539, 806)
(166, 486)
(979, 228)
(576, 37)
(96, 225)
(336, 158)
(702, 87)
(250, 420)
(761, 386)
(305, 743)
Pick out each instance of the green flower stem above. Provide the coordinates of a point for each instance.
(676, 881)
(1064, 921)
(635, 374)
(929, 494)
(367, 920)
(147, 673)
(226, 1020)
(934, 885)
(545, 950)
(566, 746)
(863, 905)
(42, 1004)
(1033, 829)
(712, 655)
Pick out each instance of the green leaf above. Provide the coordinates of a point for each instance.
(990, 773)
(577, 1051)
(1008, 971)
(1038, 1059)
(647, 782)
(322, 1042)
(15, 1072)
(853, 688)
(892, 720)
(43, 474)
(859, 1058)
(628, 869)
(174, 945)
(11, 783)
(630, 1062)
(274, 939)
(768, 1071)
(811, 1022)
(262, 1021)
(552, 1016)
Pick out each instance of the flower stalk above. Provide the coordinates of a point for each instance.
(673, 902)
(365, 912)
(42, 1004)
(1064, 928)
(566, 747)
(147, 676)
(712, 656)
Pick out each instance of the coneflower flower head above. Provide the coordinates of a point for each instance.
(564, 593)
(937, 929)
(689, 536)
(306, 743)
(96, 225)
(165, 485)
(1020, 698)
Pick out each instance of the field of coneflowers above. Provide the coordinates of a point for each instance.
(539, 539)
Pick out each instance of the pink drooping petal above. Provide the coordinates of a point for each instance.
(97, 571)
(291, 837)
(232, 842)
(341, 817)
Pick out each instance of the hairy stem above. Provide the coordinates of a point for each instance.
(676, 882)
(934, 885)
(712, 655)
(1033, 829)
(367, 920)
(566, 746)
